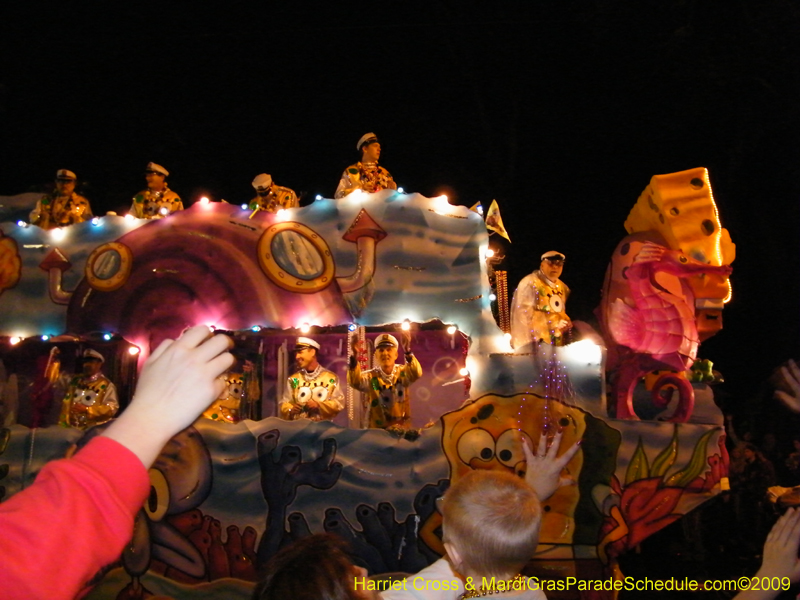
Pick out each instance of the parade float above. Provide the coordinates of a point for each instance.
(226, 495)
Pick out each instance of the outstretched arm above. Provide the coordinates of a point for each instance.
(87, 503)
(544, 467)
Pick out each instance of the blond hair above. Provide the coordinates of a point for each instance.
(492, 518)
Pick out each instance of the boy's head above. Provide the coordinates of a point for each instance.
(491, 523)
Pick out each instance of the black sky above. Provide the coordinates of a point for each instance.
(562, 111)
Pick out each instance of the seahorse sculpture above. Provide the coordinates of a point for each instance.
(654, 325)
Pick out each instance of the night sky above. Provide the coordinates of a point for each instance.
(562, 111)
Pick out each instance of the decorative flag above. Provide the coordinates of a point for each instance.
(494, 222)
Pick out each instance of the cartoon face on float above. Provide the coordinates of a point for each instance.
(488, 434)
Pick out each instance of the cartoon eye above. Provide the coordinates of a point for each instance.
(509, 447)
(87, 397)
(683, 259)
(320, 394)
(476, 444)
(303, 395)
(556, 303)
(158, 500)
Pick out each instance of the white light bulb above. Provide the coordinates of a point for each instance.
(406, 325)
(452, 329)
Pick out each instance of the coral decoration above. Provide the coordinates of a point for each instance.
(648, 499)
(10, 263)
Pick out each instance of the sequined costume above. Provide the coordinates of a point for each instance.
(320, 385)
(362, 176)
(227, 407)
(388, 396)
(89, 401)
(58, 211)
(538, 311)
(279, 197)
(149, 205)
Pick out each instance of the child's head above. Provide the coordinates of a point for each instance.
(491, 523)
(313, 568)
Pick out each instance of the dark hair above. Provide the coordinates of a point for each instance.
(316, 567)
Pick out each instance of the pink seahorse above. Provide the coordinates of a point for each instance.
(659, 331)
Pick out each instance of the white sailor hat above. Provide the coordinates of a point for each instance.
(386, 339)
(90, 354)
(151, 166)
(553, 254)
(367, 138)
(65, 174)
(262, 182)
(304, 342)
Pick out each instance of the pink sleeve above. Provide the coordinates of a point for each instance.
(75, 519)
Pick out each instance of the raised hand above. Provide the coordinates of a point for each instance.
(544, 467)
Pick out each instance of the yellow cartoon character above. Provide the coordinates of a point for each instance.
(488, 434)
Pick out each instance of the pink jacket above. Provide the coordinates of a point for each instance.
(75, 519)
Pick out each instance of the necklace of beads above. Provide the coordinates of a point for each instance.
(309, 377)
(388, 378)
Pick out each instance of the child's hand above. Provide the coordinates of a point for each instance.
(780, 549)
(178, 382)
(780, 557)
(544, 468)
(791, 375)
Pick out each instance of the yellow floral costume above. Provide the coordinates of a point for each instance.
(59, 211)
(149, 205)
(362, 176)
(388, 397)
(89, 401)
(279, 197)
(538, 312)
(320, 385)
